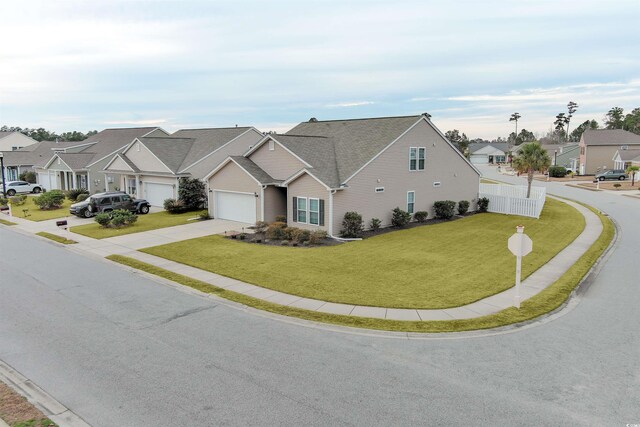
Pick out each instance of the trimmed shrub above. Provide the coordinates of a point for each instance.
(445, 209)
(28, 176)
(301, 235)
(122, 217)
(204, 215)
(463, 207)
(4, 201)
(400, 218)
(316, 237)
(284, 243)
(261, 227)
(281, 218)
(82, 197)
(617, 185)
(275, 230)
(192, 193)
(483, 204)
(50, 200)
(421, 216)
(375, 224)
(174, 206)
(557, 171)
(103, 219)
(18, 200)
(352, 225)
(74, 193)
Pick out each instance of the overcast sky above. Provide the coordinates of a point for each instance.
(81, 65)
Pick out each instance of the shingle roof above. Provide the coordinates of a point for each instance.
(170, 150)
(76, 161)
(629, 155)
(5, 133)
(609, 137)
(254, 170)
(205, 141)
(128, 161)
(475, 146)
(35, 154)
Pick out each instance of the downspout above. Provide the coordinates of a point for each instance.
(331, 193)
(262, 188)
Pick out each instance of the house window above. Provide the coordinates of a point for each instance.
(411, 201)
(417, 157)
(131, 186)
(314, 211)
(379, 189)
(272, 145)
(302, 209)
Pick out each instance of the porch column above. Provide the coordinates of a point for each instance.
(106, 182)
(74, 179)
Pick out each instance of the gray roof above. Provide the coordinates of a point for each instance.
(254, 170)
(475, 146)
(170, 150)
(629, 155)
(5, 133)
(35, 154)
(205, 141)
(128, 161)
(76, 161)
(609, 137)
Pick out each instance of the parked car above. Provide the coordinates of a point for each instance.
(14, 187)
(107, 202)
(616, 174)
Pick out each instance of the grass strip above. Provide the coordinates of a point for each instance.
(56, 238)
(546, 301)
(5, 222)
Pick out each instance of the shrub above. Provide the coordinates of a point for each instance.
(204, 215)
(284, 243)
(289, 232)
(122, 217)
(242, 236)
(281, 218)
(103, 219)
(28, 176)
(49, 200)
(4, 201)
(174, 206)
(305, 243)
(352, 225)
(444, 209)
(316, 237)
(82, 197)
(375, 224)
(275, 230)
(18, 200)
(261, 227)
(421, 216)
(463, 207)
(400, 218)
(300, 235)
(192, 193)
(617, 185)
(74, 193)
(557, 171)
(483, 204)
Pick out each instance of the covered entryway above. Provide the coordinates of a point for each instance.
(233, 206)
(156, 194)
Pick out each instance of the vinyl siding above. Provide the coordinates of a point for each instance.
(233, 178)
(119, 165)
(307, 186)
(598, 156)
(279, 163)
(15, 139)
(144, 159)
(459, 181)
(97, 172)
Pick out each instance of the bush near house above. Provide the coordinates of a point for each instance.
(375, 224)
(421, 216)
(557, 171)
(18, 200)
(174, 206)
(50, 200)
(75, 192)
(28, 176)
(82, 197)
(281, 218)
(116, 219)
(275, 230)
(400, 218)
(352, 225)
(445, 209)
(192, 192)
(317, 236)
(463, 207)
(483, 204)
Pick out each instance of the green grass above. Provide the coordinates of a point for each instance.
(144, 223)
(435, 266)
(35, 214)
(56, 238)
(545, 302)
(5, 222)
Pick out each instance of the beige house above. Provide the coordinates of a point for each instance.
(598, 147)
(319, 170)
(627, 157)
(150, 167)
(12, 141)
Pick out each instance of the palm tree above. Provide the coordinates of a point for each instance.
(531, 158)
(631, 170)
(514, 118)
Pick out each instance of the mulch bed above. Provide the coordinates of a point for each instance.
(16, 410)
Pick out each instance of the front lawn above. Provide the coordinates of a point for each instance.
(435, 266)
(35, 214)
(144, 223)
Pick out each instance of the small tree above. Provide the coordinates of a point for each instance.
(191, 192)
(483, 204)
(631, 171)
(374, 224)
(531, 158)
(463, 207)
(352, 225)
(445, 209)
(400, 218)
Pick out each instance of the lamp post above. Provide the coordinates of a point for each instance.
(4, 185)
(555, 157)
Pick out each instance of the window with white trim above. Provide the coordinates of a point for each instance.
(302, 209)
(272, 145)
(314, 211)
(411, 201)
(417, 156)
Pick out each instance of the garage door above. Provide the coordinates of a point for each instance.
(156, 194)
(236, 207)
(479, 159)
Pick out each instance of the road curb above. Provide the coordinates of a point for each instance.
(49, 406)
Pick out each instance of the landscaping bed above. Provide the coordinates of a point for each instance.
(16, 411)
(443, 265)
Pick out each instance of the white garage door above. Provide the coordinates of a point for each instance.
(480, 159)
(236, 207)
(156, 194)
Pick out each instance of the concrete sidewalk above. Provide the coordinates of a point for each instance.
(128, 245)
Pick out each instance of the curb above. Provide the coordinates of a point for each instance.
(49, 406)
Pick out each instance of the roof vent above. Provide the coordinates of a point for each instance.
(313, 120)
(427, 115)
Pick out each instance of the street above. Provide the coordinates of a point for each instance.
(120, 349)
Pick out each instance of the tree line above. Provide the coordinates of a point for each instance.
(41, 134)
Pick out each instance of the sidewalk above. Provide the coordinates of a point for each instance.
(128, 245)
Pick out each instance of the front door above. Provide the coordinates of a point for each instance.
(490, 160)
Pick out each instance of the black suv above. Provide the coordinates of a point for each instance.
(107, 202)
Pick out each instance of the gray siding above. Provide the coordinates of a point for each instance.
(275, 203)
(459, 181)
(232, 178)
(279, 163)
(307, 186)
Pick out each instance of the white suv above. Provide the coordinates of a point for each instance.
(14, 187)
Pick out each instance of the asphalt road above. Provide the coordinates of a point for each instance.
(123, 350)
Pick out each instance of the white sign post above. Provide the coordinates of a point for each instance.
(520, 245)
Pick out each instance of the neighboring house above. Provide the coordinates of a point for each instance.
(627, 157)
(24, 159)
(12, 141)
(488, 153)
(598, 147)
(151, 166)
(81, 164)
(319, 170)
(567, 156)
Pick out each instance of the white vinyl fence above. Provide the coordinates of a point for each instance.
(512, 199)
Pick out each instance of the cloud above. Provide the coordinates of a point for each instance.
(350, 104)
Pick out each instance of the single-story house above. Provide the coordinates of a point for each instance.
(598, 148)
(320, 170)
(150, 167)
(627, 157)
(482, 153)
(12, 141)
(81, 165)
(567, 156)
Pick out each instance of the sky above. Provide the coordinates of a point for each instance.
(91, 64)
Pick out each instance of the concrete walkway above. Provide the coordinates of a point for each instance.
(128, 245)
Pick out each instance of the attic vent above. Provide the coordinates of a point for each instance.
(624, 147)
(313, 120)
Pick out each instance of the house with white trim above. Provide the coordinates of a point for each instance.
(319, 170)
(483, 153)
(13, 141)
(151, 166)
(626, 157)
(599, 146)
